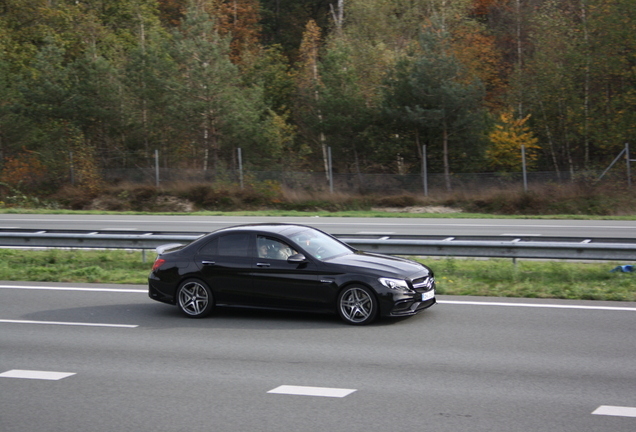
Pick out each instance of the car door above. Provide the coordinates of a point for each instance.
(282, 284)
(225, 263)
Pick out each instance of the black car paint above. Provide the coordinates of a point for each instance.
(312, 285)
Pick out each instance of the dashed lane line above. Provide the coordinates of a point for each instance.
(537, 305)
(82, 324)
(312, 391)
(62, 288)
(33, 374)
(618, 411)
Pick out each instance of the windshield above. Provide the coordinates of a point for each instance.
(319, 245)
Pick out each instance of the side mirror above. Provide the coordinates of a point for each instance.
(297, 259)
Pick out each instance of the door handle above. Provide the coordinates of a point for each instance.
(262, 264)
(207, 263)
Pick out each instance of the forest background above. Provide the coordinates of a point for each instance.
(102, 84)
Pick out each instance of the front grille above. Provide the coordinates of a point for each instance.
(424, 284)
(423, 305)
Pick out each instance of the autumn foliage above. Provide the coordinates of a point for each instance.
(373, 81)
(24, 172)
(510, 136)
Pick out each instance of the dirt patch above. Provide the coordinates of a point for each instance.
(162, 203)
(416, 209)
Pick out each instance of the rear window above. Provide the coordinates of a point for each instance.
(234, 245)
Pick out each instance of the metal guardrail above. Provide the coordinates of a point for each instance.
(465, 246)
(571, 248)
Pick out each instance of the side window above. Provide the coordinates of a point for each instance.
(210, 248)
(273, 249)
(234, 245)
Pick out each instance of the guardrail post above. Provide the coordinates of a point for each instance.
(525, 171)
(157, 167)
(240, 163)
(70, 155)
(330, 171)
(424, 171)
(629, 173)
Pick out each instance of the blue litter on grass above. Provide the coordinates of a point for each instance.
(623, 268)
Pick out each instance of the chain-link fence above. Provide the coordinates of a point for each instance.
(354, 183)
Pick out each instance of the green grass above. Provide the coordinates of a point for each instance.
(533, 279)
(494, 277)
(296, 213)
(55, 265)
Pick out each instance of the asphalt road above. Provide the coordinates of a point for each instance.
(466, 364)
(336, 225)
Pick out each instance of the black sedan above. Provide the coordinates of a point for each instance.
(293, 267)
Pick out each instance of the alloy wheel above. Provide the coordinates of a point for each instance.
(357, 306)
(194, 299)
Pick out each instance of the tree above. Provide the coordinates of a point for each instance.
(24, 172)
(475, 48)
(149, 81)
(431, 95)
(553, 95)
(209, 102)
(345, 114)
(307, 112)
(506, 142)
(612, 47)
(239, 19)
(270, 71)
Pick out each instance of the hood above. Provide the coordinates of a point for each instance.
(385, 265)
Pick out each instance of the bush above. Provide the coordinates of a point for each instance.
(574, 199)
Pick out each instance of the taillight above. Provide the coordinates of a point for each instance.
(158, 263)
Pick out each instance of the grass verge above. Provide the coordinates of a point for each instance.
(296, 213)
(89, 266)
(533, 279)
(494, 277)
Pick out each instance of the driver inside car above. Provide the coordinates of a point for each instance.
(273, 249)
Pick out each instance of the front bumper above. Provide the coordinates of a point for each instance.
(411, 307)
(410, 303)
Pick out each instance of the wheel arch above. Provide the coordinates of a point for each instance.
(191, 303)
(185, 277)
(376, 312)
(385, 305)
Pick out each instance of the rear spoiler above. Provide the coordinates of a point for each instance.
(164, 248)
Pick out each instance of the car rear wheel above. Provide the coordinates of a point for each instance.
(195, 299)
(357, 305)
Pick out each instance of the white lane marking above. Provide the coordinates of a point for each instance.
(33, 374)
(618, 411)
(459, 302)
(312, 391)
(521, 235)
(375, 232)
(534, 305)
(61, 288)
(69, 323)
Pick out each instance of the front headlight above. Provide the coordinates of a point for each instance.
(395, 284)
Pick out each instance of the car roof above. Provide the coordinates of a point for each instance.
(274, 228)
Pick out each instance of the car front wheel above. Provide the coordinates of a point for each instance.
(357, 305)
(195, 299)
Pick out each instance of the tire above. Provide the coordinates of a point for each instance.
(195, 299)
(357, 305)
